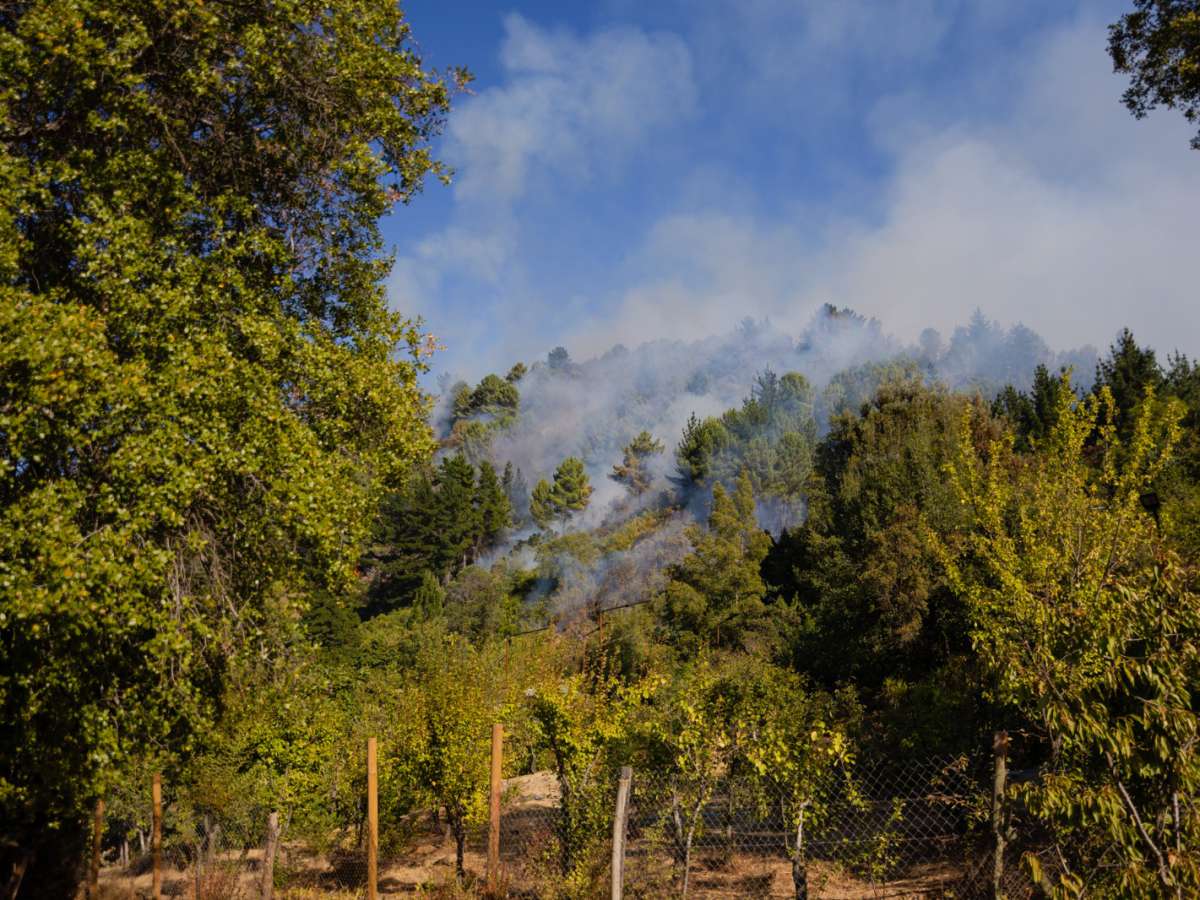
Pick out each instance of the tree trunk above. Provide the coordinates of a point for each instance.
(687, 847)
(677, 822)
(20, 863)
(799, 868)
(460, 839)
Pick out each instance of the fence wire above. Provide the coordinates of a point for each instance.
(877, 829)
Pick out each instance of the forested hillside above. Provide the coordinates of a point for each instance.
(249, 522)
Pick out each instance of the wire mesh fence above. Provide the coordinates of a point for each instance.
(879, 828)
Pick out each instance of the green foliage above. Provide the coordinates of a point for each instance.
(1128, 373)
(493, 506)
(581, 722)
(1090, 633)
(715, 595)
(877, 603)
(478, 605)
(702, 440)
(568, 494)
(1030, 415)
(737, 721)
(516, 489)
(770, 437)
(632, 471)
(202, 389)
(438, 524)
(429, 599)
(1158, 44)
(442, 753)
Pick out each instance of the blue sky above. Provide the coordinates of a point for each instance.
(629, 171)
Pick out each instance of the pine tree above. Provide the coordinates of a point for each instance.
(454, 520)
(567, 495)
(716, 593)
(572, 488)
(517, 491)
(541, 503)
(1129, 371)
(632, 471)
(429, 598)
(492, 505)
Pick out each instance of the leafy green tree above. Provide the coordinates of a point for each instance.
(1089, 630)
(202, 389)
(1179, 483)
(1129, 372)
(875, 601)
(438, 524)
(1158, 44)
(568, 494)
(1032, 414)
(516, 373)
(541, 504)
(494, 508)
(442, 752)
(429, 599)
(517, 490)
(581, 721)
(719, 721)
(702, 439)
(454, 520)
(715, 595)
(632, 471)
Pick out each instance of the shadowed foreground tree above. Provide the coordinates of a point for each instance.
(202, 389)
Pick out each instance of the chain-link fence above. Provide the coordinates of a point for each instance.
(878, 828)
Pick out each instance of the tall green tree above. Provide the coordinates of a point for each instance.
(202, 388)
(632, 471)
(567, 495)
(1089, 632)
(1129, 372)
(1158, 45)
(492, 503)
(715, 595)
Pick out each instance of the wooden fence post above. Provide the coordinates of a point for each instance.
(620, 819)
(156, 838)
(372, 822)
(999, 780)
(493, 869)
(270, 848)
(93, 885)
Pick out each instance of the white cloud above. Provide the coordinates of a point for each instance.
(1065, 214)
(571, 106)
(1068, 215)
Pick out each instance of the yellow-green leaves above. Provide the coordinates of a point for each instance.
(202, 390)
(1089, 628)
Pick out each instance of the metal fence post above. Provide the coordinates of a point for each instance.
(999, 780)
(493, 866)
(372, 822)
(618, 837)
